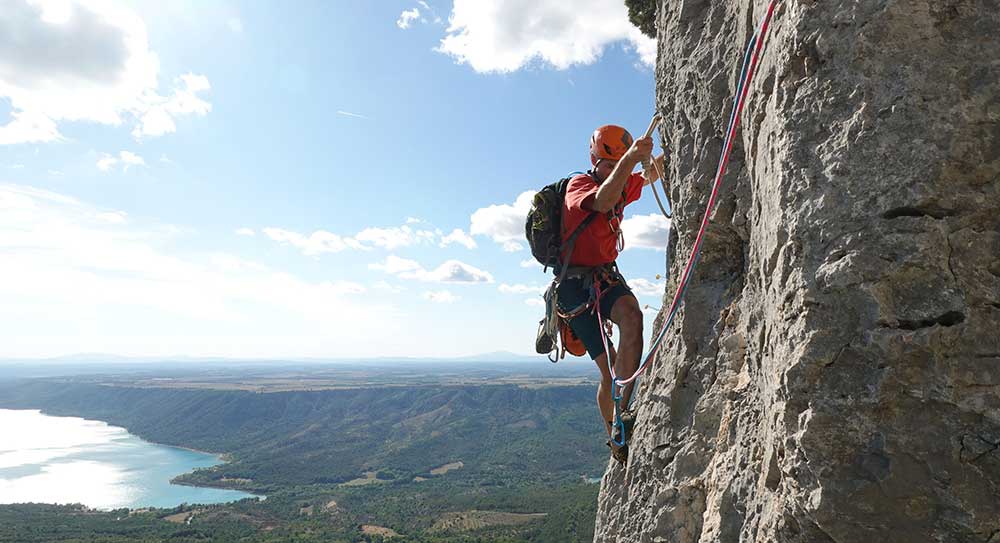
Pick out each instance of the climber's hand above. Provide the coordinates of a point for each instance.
(651, 172)
(640, 151)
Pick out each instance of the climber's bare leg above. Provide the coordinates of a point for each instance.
(628, 316)
(604, 399)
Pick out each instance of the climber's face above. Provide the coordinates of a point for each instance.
(603, 168)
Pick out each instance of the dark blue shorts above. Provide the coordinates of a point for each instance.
(571, 293)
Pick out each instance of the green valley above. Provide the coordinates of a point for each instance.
(401, 453)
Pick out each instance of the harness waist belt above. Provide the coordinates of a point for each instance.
(577, 272)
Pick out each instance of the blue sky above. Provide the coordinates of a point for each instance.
(340, 179)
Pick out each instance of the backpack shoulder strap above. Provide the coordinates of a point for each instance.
(571, 240)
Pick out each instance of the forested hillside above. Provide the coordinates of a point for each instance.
(511, 449)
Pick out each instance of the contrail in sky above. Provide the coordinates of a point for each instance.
(349, 114)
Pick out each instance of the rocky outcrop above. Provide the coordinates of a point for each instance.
(834, 375)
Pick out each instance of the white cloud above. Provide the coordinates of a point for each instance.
(460, 237)
(29, 127)
(85, 264)
(17, 166)
(535, 302)
(235, 24)
(158, 119)
(512, 246)
(394, 237)
(174, 230)
(645, 287)
(451, 271)
(407, 17)
(131, 159)
(125, 159)
(245, 232)
(431, 11)
(530, 263)
(387, 287)
(412, 220)
(646, 232)
(521, 289)
(503, 223)
(440, 297)
(317, 243)
(644, 46)
(389, 238)
(111, 217)
(81, 60)
(395, 265)
(106, 162)
(506, 35)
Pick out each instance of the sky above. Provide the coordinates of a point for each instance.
(315, 179)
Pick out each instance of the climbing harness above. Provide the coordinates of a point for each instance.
(592, 278)
(742, 90)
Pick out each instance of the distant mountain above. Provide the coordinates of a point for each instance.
(501, 356)
(105, 358)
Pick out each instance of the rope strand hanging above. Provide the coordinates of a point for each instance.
(652, 186)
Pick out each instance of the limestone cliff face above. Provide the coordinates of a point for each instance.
(835, 372)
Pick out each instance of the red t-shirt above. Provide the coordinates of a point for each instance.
(597, 244)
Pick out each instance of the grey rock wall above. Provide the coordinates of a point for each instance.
(834, 375)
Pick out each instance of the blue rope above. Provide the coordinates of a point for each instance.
(739, 88)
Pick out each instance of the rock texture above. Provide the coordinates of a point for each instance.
(834, 375)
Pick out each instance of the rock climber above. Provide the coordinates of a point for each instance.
(606, 190)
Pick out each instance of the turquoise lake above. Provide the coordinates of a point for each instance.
(50, 459)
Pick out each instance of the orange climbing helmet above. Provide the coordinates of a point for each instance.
(609, 142)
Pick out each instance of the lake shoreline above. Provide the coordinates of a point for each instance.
(223, 457)
(214, 458)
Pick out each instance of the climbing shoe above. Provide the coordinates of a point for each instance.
(618, 453)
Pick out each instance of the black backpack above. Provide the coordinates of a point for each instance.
(543, 226)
